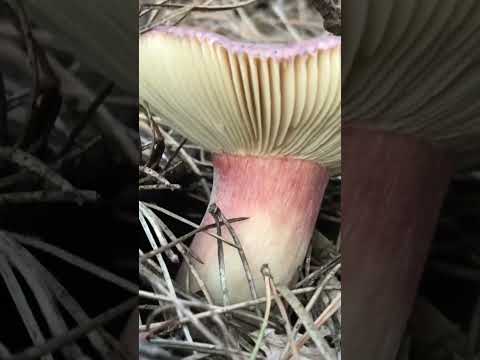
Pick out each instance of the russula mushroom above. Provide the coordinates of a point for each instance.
(411, 118)
(270, 113)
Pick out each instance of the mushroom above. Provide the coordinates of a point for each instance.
(411, 119)
(270, 114)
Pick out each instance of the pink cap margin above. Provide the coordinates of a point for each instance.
(263, 50)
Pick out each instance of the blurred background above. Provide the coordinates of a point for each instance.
(68, 174)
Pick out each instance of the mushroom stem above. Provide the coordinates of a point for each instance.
(281, 198)
(393, 188)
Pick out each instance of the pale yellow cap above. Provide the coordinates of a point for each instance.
(241, 98)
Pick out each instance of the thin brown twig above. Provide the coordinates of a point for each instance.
(157, 146)
(307, 321)
(48, 197)
(310, 304)
(29, 43)
(158, 177)
(200, 347)
(268, 291)
(173, 156)
(186, 258)
(320, 288)
(167, 4)
(221, 258)
(225, 309)
(87, 116)
(157, 227)
(311, 277)
(73, 260)
(175, 242)
(68, 303)
(288, 324)
(143, 270)
(331, 309)
(213, 208)
(21, 302)
(175, 302)
(38, 167)
(194, 303)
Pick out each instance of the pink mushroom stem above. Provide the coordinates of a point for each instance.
(281, 198)
(392, 190)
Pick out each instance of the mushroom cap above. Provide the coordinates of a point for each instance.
(243, 98)
(412, 67)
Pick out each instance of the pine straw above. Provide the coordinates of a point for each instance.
(187, 322)
(36, 147)
(19, 265)
(299, 322)
(259, 21)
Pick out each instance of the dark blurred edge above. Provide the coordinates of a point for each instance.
(104, 232)
(448, 295)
